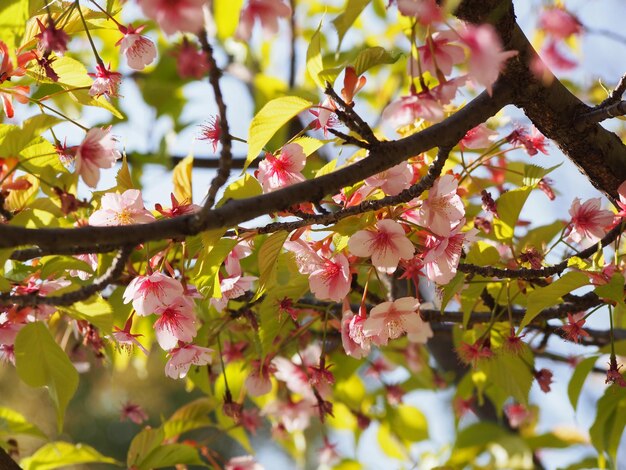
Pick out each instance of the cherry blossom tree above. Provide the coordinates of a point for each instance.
(398, 228)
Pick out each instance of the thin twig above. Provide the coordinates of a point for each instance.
(602, 113)
(31, 300)
(225, 139)
(360, 126)
(529, 273)
(366, 206)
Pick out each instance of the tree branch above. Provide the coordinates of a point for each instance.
(31, 300)
(226, 156)
(382, 156)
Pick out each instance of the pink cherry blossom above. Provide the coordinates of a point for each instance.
(91, 259)
(183, 357)
(329, 275)
(106, 81)
(138, 50)
(265, 11)
(241, 250)
(176, 322)
(390, 320)
(258, 382)
(211, 131)
(440, 53)
(559, 23)
(480, 137)
(190, 61)
(245, 462)
(285, 169)
(486, 55)
(325, 116)
(517, 414)
(555, 58)
(331, 280)
(442, 254)
(354, 341)
(147, 293)
(445, 92)
(588, 220)
(533, 143)
(294, 377)
(133, 412)
(386, 245)
(394, 180)
(233, 286)
(175, 15)
(409, 109)
(121, 209)
(97, 150)
(50, 38)
(292, 416)
(426, 11)
(443, 209)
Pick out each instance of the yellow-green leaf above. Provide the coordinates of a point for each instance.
(226, 16)
(314, 60)
(40, 362)
(63, 454)
(550, 295)
(269, 120)
(268, 255)
(346, 19)
(183, 190)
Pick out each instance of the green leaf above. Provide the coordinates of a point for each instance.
(541, 236)
(509, 206)
(499, 372)
(208, 265)
(245, 187)
(372, 57)
(614, 290)
(95, 310)
(40, 362)
(194, 415)
(549, 296)
(478, 435)
(268, 255)
(62, 454)
(409, 423)
(269, 120)
(452, 288)
(389, 443)
(122, 178)
(483, 254)
(13, 423)
(143, 444)
(13, 18)
(608, 426)
(579, 376)
(169, 455)
(314, 60)
(555, 440)
(534, 173)
(346, 19)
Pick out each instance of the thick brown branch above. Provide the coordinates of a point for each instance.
(383, 155)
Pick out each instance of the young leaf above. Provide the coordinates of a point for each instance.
(579, 376)
(314, 60)
(226, 16)
(95, 310)
(346, 19)
(608, 426)
(509, 206)
(548, 296)
(409, 424)
(182, 180)
(372, 57)
(268, 255)
(40, 362)
(245, 187)
(63, 454)
(269, 120)
(13, 423)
